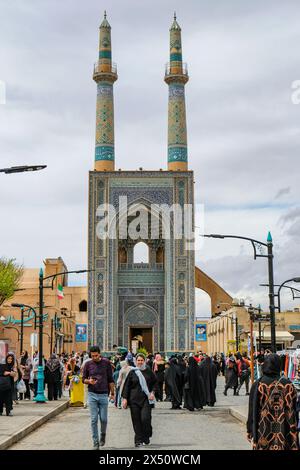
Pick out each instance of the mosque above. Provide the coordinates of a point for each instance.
(155, 299)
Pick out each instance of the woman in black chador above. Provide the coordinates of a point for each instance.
(209, 374)
(138, 394)
(173, 377)
(8, 373)
(159, 369)
(231, 376)
(52, 376)
(194, 391)
(272, 416)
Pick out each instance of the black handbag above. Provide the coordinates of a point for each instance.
(5, 384)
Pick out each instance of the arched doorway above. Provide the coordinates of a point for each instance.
(141, 321)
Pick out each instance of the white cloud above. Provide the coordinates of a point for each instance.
(243, 130)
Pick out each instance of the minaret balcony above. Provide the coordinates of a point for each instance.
(105, 70)
(176, 71)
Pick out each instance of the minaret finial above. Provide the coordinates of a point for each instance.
(105, 14)
(175, 18)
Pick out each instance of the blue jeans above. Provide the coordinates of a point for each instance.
(98, 404)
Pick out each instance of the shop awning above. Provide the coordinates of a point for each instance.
(280, 336)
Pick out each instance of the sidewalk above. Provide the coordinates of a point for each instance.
(237, 405)
(27, 416)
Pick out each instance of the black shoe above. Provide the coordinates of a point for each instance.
(102, 439)
(138, 444)
(225, 393)
(146, 442)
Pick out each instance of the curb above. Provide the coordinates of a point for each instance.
(238, 415)
(31, 427)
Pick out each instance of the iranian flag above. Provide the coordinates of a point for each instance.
(60, 291)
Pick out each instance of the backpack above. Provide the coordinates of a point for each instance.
(245, 369)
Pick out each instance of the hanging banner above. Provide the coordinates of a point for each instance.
(81, 333)
(200, 332)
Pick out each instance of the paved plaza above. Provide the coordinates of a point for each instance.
(211, 428)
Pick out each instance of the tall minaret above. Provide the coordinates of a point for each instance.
(176, 77)
(105, 74)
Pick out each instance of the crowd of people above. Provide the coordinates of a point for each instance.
(137, 382)
(19, 381)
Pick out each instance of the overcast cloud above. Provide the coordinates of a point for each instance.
(243, 129)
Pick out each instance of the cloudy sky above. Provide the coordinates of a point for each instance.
(243, 128)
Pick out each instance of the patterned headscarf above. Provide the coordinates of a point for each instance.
(157, 359)
(53, 363)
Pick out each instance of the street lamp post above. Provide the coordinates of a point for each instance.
(13, 328)
(22, 169)
(270, 256)
(235, 320)
(51, 341)
(22, 308)
(40, 397)
(292, 289)
(294, 279)
(259, 335)
(22, 330)
(251, 312)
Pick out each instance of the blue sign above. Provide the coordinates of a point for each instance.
(200, 333)
(81, 330)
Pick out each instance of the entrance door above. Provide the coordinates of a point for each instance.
(144, 336)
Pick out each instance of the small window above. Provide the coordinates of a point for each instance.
(83, 306)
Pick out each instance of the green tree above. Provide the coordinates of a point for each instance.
(143, 351)
(10, 276)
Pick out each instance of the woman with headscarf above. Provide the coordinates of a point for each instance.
(71, 369)
(8, 373)
(129, 358)
(182, 364)
(194, 391)
(53, 376)
(159, 369)
(124, 371)
(222, 364)
(272, 415)
(173, 377)
(209, 374)
(231, 376)
(25, 366)
(216, 363)
(138, 394)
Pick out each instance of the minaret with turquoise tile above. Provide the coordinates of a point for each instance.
(105, 74)
(176, 77)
